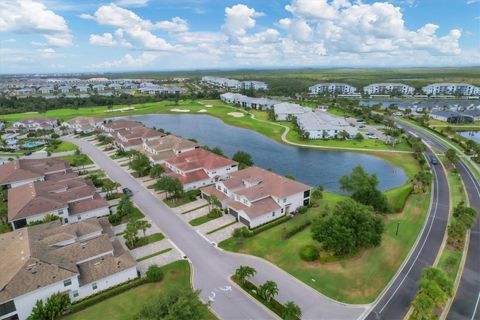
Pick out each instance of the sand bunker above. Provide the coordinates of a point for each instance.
(208, 106)
(203, 110)
(180, 110)
(236, 114)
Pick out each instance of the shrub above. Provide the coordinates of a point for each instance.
(302, 209)
(215, 213)
(154, 274)
(192, 195)
(114, 219)
(309, 253)
(288, 233)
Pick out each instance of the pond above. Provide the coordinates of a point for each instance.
(473, 135)
(314, 167)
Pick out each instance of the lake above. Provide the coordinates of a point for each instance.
(474, 135)
(313, 167)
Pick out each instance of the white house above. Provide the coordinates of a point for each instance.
(322, 125)
(34, 124)
(255, 85)
(64, 89)
(79, 259)
(257, 196)
(99, 87)
(388, 88)
(46, 90)
(83, 88)
(332, 88)
(285, 110)
(83, 124)
(463, 89)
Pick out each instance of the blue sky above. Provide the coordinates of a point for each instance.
(40, 36)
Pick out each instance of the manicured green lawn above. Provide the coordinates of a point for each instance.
(143, 241)
(126, 305)
(65, 146)
(73, 158)
(450, 262)
(358, 279)
(201, 220)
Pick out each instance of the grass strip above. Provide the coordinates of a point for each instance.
(147, 240)
(188, 211)
(203, 219)
(154, 254)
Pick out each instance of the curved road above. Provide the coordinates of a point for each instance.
(213, 267)
(395, 301)
(466, 302)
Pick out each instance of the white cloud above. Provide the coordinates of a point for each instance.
(298, 29)
(109, 40)
(46, 53)
(128, 61)
(137, 29)
(28, 16)
(11, 40)
(472, 1)
(238, 19)
(314, 9)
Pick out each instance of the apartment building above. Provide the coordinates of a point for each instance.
(198, 168)
(248, 102)
(285, 111)
(80, 259)
(256, 196)
(158, 150)
(463, 89)
(112, 126)
(24, 171)
(234, 84)
(388, 88)
(332, 88)
(320, 124)
(67, 196)
(133, 138)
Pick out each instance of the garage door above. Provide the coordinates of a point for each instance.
(245, 221)
(233, 212)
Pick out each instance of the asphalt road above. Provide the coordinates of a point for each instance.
(213, 267)
(396, 301)
(466, 302)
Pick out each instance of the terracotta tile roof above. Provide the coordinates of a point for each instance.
(258, 208)
(48, 196)
(24, 169)
(33, 257)
(200, 158)
(84, 121)
(122, 124)
(87, 205)
(255, 183)
(104, 266)
(170, 142)
(190, 177)
(140, 132)
(39, 120)
(211, 190)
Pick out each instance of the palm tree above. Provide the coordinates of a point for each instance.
(291, 311)
(244, 272)
(268, 290)
(213, 202)
(143, 225)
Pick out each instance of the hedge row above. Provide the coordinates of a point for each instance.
(288, 233)
(103, 295)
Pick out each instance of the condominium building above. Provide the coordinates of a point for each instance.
(320, 124)
(111, 127)
(257, 196)
(463, 89)
(332, 88)
(159, 150)
(83, 124)
(248, 102)
(234, 84)
(388, 88)
(198, 168)
(285, 111)
(79, 259)
(133, 138)
(34, 124)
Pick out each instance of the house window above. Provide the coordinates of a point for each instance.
(284, 200)
(75, 293)
(79, 217)
(94, 286)
(273, 214)
(60, 212)
(67, 282)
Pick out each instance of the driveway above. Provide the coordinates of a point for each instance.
(212, 267)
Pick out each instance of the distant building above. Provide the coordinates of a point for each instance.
(248, 102)
(33, 124)
(25, 91)
(83, 124)
(46, 90)
(255, 85)
(256, 196)
(285, 110)
(322, 125)
(233, 84)
(463, 89)
(388, 88)
(111, 127)
(83, 88)
(475, 114)
(99, 87)
(64, 89)
(332, 88)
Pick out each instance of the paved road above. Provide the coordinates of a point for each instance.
(466, 301)
(213, 267)
(395, 303)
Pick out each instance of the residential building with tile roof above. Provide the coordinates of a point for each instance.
(79, 259)
(34, 124)
(256, 196)
(198, 168)
(158, 150)
(83, 124)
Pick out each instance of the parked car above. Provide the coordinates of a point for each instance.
(362, 126)
(127, 191)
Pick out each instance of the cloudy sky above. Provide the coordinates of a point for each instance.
(86, 35)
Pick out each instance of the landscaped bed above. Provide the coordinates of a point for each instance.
(357, 279)
(143, 241)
